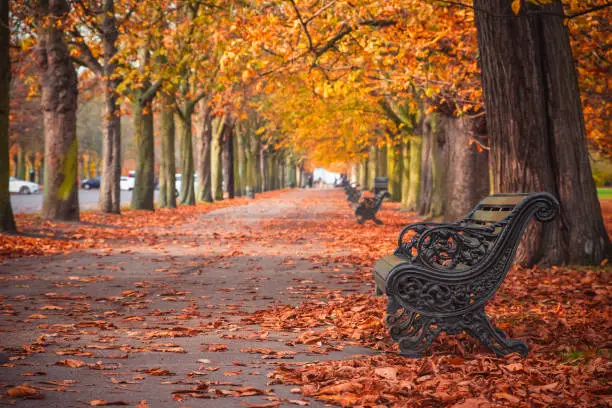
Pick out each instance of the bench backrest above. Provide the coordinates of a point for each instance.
(493, 209)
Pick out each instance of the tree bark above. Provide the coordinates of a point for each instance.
(7, 220)
(236, 164)
(167, 165)
(228, 157)
(187, 193)
(433, 161)
(536, 124)
(110, 200)
(204, 189)
(21, 164)
(58, 83)
(372, 166)
(216, 160)
(363, 173)
(142, 196)
(414, 183)
(467, 175)
(241, 160)
(394, 171)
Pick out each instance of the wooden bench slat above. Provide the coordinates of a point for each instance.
(503, 199)
(481, 215)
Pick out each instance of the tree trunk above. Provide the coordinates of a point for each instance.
(394, 171)
(187, 193)
(363, 173)
(216, 161)
(381, 161)
(405, 173)
(433, 161)
(228, 157)
(535, 120)
(237, 163)
(372, 166)
(167, 166)
(21, 164)
(414, 174)
(204, 190)
(467, 175)
(142, 196)
(110, 199)
(7, 221)
(58, 83)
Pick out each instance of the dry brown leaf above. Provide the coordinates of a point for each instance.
(71, 363)
(23, 391)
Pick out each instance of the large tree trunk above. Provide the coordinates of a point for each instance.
(228, 157)
(7, 221)
(467, 176)
(142, 196)
(110, 200)
(167, 166)
(537, 130)
(204, 189)
(58, 82)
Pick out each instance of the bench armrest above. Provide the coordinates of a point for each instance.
(444, 247)
(407, 245)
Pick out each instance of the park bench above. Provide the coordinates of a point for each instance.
(441, 275)
(380, 184)
(369, 206)
(353, 195)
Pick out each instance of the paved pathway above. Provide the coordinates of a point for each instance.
(145, 320)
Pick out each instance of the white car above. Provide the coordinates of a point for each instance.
(22, 186)
(126, 183)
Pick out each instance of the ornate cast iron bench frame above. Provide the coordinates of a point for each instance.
(369, 206)
(441, 275)
(353, 195)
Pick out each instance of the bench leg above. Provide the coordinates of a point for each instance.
(414, 333)
(417, 335)
(478, 325)
(377, 221)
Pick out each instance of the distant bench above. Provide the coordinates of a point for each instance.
(442, 275)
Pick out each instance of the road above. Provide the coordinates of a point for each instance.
(88, 200)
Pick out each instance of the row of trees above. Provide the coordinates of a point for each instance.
(450, 100)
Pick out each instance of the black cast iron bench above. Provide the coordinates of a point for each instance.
(380, 184)
(353, 195)
(369, 206)
(441, 275)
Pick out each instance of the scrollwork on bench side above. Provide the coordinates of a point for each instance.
(417, 289)
(407, 244)
(447, 247)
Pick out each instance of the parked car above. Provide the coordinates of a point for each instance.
(22, 186)
(90, 183)
(126, 183)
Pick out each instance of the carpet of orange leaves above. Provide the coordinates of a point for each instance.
(97, 230)
(562, 313)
